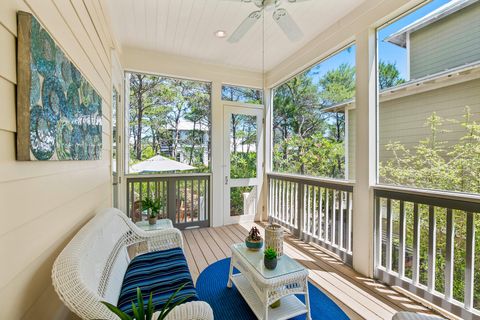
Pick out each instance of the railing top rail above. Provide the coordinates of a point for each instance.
(445, 199)
(345, 185)
(139, 177)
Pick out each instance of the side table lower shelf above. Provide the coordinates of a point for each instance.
(290, 305)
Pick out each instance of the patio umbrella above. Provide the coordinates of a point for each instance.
(159, 164)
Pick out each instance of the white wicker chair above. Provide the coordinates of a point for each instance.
(91, 267)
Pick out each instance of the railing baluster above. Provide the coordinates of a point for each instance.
(288, 203)
(314, 212)
(270, 189)
(388, 251)
(283, 200)
(469, 261)
(401, 247)
(349, 222)
(291, 193)
(294, 222)
(132, 198)
(191, 206)
(140, 193)
(416, 245)
(320, 212)
(201, 216)
(334, 217)
(279, 200)
(341, 222)
(432, 235)
(185, 198)
(327, 218)
(165, 198)
(449, 256)
(378, 232)
(308, 212)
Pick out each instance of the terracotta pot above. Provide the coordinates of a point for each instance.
(270, 263)
(152, 221)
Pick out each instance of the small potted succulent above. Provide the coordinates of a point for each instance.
(270, 258)
(254, 241)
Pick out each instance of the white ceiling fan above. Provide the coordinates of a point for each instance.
(280, 16)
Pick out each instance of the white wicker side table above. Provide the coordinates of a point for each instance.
(161, 224)
(261, 287)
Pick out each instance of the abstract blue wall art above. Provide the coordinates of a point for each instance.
(59, 113)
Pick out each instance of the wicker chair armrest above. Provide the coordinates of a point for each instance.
(195, 310)
(160, 239)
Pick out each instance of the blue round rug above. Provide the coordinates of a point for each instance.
(229, 304)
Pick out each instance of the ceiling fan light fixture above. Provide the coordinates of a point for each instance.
(220, 34)
(270, 5)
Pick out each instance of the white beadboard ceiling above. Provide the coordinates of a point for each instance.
(186, 28)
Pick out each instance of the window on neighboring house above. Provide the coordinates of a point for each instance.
(242, 94)
(312, 120)
(169, 124)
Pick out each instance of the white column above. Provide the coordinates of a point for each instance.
(262, 209)
(365, 154)
(216, 213)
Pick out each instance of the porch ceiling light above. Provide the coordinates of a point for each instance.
(220, 33)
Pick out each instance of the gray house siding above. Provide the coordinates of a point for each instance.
(404, 119)
(450, 42)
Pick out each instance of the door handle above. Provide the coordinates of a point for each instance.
(226, 180)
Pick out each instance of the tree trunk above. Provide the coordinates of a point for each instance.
(176, 136)
(193, 142)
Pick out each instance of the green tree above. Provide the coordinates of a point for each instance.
(435, 163)
(337, 85)
(388, 75)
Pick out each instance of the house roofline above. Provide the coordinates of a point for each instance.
(445, 77)
(399, 38)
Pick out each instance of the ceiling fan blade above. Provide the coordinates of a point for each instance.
(246, 25)
(286, 23)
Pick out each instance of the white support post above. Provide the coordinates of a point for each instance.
(365, 156)
(216, 213)
(267, 160)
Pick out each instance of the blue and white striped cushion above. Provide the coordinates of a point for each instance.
(160, 272)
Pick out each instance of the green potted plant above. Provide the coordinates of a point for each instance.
(270, 258)
(142, 311)
(254, 241)
(153, 207)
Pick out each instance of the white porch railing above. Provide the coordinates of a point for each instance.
(314, 209)
(425, 242)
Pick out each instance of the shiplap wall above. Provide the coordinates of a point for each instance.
(43, 204)
(447, 43)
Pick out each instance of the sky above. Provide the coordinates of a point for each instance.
(386, 51)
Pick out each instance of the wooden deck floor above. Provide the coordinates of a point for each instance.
(359, 297)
